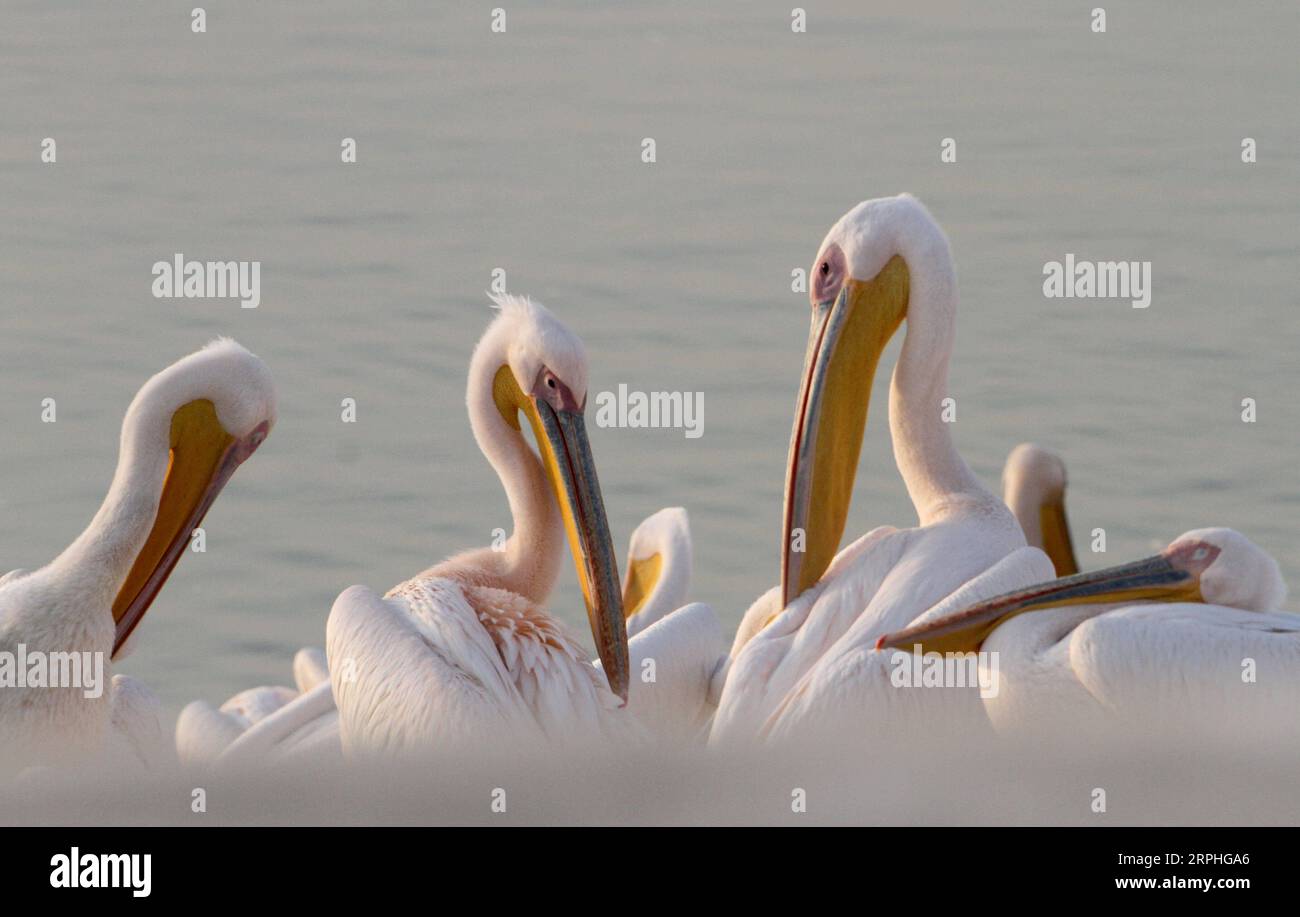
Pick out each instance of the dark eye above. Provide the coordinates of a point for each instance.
(826, 268)
(550, 382)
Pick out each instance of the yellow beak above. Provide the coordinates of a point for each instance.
(642, 577)
(1055, 526)
(203, 457)
(848, 335)
(1171, 576)
(561, 435)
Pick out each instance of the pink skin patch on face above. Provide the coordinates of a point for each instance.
(828, 276)
(1193, 557)
(550, 389)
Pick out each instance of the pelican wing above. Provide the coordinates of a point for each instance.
(137, 732)
(282, 725)
(204, 732)
(304, 730)
(853, 684)
(673, 662)
(1186, 665)
(417, 670)
(770, 656)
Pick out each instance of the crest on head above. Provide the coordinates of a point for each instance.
(535, 341)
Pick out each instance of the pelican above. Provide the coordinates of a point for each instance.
(658, 568)
(463, 652)
(804, 651)
(277, 724)
(1189, 640)
(183, 436)
(683, 641)
(1033, 487)
(268, 724)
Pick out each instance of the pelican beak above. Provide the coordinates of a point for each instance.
(642, 577)
(203, 457)
(848, 334)
(1055, 526)
(561, 434)
(1174, 575)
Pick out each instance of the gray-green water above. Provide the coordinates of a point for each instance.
(522, 151)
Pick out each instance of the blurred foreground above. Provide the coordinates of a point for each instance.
(972, 782)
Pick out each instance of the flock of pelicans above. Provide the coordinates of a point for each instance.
(465, 652)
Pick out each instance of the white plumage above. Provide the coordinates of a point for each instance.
(278, 724)
(1204, 652)
(814, 659)
(464, 654)
(663, 538)
(171, 464)
(268, 724)
(1226, 664)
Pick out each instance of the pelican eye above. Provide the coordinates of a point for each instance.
(1200, 554)
(826, 268)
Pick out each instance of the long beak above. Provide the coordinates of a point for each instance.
(203, 457)
(562, 435)
(1174, 575)
(642, 578)
(847, 336)
(1055, 526)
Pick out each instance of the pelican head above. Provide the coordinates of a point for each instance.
(859, 297)
(540, 371)
(1033, 487)
(185, 433)
(1216, 566)
(658, 567)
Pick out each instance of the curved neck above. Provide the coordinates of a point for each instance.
(96, 564)
(674, 581)
(935, 474)
(530, 562)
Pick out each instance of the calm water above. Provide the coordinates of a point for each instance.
(521, 151)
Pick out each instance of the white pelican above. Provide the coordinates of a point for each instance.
(1033, 487)
(804, 651)
(684, 641)
(1205, 650)
(658, 568)
(464, 651)
(187, 430)
(268, 724)
(136, 734)
(276, 724)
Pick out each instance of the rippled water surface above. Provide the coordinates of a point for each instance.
(522, 151)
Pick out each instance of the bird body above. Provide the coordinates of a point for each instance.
(461, 664)
(184, 434)
(278, 725)
(803, 646)
(1190, 641)
(464, 654)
